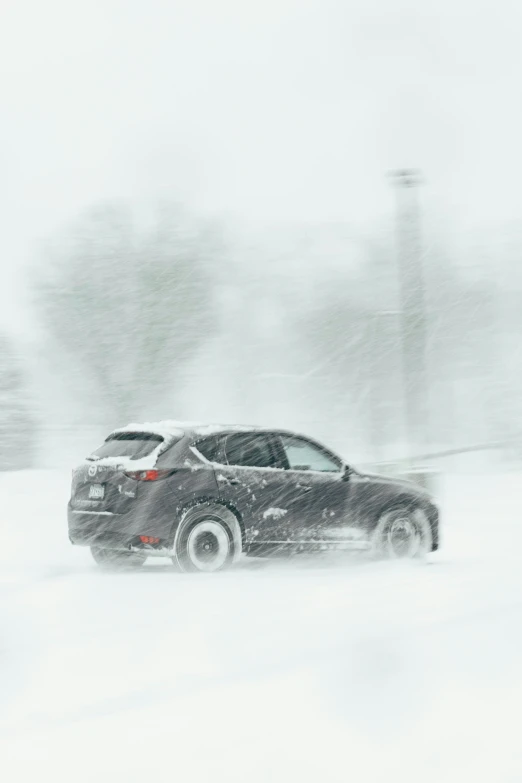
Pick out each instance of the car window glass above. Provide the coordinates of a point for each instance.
(280, 460)
(134, 445)
(209, 448)
(303, 455)
(249, 449)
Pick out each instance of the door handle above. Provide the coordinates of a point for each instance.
(225, 480)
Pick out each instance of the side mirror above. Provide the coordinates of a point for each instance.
(347, 472)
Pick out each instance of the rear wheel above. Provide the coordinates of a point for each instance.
(204, 541)
(112, 558)
(403, 532)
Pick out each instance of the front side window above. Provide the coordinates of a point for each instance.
(303, 455)
(249, 449)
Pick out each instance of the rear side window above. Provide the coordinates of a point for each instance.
(133, 445)
(210, 448)
(249, 449)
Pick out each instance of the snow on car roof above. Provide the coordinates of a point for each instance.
(165, 429)
(213, 429)
(170, 429)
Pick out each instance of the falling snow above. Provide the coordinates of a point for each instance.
(303, 217)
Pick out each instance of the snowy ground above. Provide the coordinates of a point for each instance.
(272, 672)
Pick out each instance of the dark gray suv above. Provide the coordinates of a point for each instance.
(206, 494)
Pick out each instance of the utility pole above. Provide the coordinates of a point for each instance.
(413, 308)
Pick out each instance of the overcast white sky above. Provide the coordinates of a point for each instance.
(269, 109)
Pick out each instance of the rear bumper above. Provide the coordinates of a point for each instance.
(116, 531)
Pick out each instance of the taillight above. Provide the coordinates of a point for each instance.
(147, 475)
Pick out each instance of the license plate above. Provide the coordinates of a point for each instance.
(97, 491)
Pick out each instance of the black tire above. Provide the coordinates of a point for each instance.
(204, 541)
(402, 532)
(115, 559)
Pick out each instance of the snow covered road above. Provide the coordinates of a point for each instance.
(271, 672)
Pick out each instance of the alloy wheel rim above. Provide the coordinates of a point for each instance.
(403, 538)
(208, 546)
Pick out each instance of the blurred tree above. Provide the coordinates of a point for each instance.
(17, 426)
(129, 308)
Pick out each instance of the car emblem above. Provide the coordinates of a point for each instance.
(92, 470)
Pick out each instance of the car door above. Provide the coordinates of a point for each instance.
(319, 504)
(252, 480)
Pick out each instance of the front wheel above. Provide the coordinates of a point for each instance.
(402, 532)
(112, 558)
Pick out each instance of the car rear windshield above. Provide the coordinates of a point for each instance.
(134, 445)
